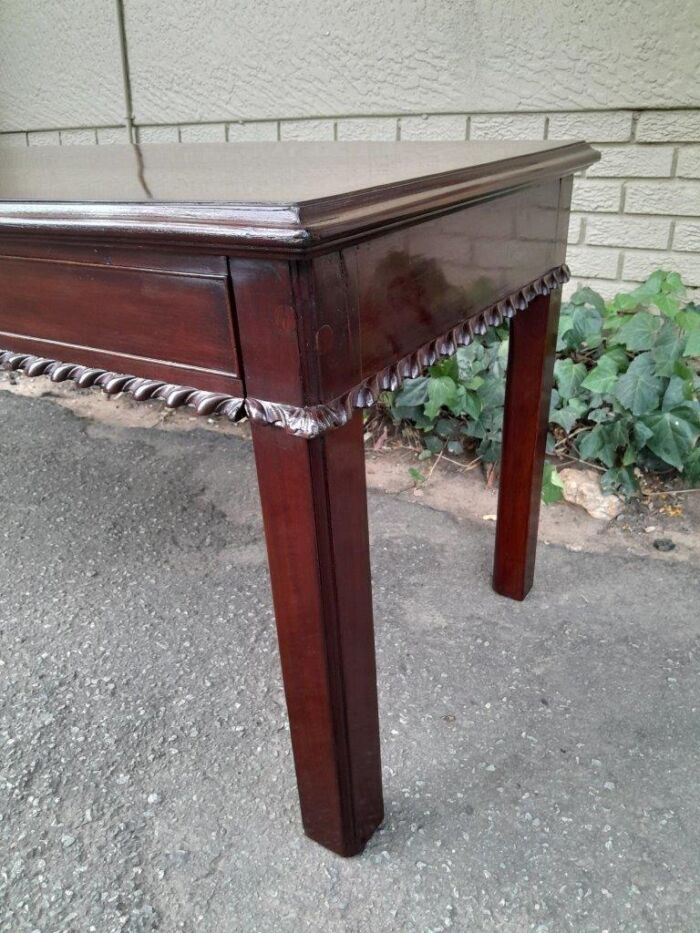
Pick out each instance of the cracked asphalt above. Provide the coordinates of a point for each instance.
(540, 759)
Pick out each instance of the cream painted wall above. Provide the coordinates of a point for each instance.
(195, 60)
(59, 64)
(622, 74)
(198, 59)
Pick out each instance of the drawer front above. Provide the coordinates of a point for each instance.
(138, 312)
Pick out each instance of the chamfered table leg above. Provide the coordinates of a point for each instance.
(314, 505)
(533, 338)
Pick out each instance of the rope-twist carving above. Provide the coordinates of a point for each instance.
(204, 403)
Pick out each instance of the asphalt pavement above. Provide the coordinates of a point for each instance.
(540, 759)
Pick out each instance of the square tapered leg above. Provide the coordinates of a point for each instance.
(315, 512)
(533, 339)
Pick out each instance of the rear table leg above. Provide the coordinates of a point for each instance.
(533, 338)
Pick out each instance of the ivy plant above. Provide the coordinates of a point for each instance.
(625, 397)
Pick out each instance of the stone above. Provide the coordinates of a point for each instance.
(582, 487)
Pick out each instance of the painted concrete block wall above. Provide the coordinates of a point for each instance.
(60, 65)
(622, 75)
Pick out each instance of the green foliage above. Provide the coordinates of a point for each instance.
(416, 476)
(625, 397)
(552, 485)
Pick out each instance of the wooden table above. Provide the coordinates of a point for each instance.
(293, 283)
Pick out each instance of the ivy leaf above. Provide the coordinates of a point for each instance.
(639, 332)
(498, 367)
(422, 422)
(639, 389)
(674, 284)
(489, 450)
(493, 419)
(667, 305)
(457, 403)
(492, 393)
(602, 378)
(472, 404)
(685, 372)
(444, 427)
(455, 447)
(564, 339)
(672, 437)
(564, 417)
(568, 376)
(594, 446)
(587, 326)
(442, 390)
(689, 319)
(583, 296)
(612, 326)
(475, 428)
(599, 415)
(629, 457)
(668, 347)
(619, 356)
(641, 433)
(677, 391)
(554, 400)
(619, 479)
(603, 442)
(690, 411)
(654, 282)
(433, 443)
(470, 360)
(567, 416)
(413, 392)
(619, 430)
(552, 485)
(659, 284)
(692, 466)
(503, 350)
(446, 367)
(625, 302)
(473, 383)
(406, 412)
(692, 344)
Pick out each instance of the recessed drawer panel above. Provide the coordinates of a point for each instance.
(149, 313)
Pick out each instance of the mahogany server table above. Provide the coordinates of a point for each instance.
(293, 283)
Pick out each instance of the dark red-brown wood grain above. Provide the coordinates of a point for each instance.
(133, 310)
(315, 511)
(533, 341)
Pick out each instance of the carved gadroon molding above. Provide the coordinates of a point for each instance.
(310, 421)
(174, 396)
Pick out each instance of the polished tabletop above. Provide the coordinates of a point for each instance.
(262, 173)
(244, 194)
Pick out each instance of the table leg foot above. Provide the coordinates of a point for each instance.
(314, 507)
(533, 337)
